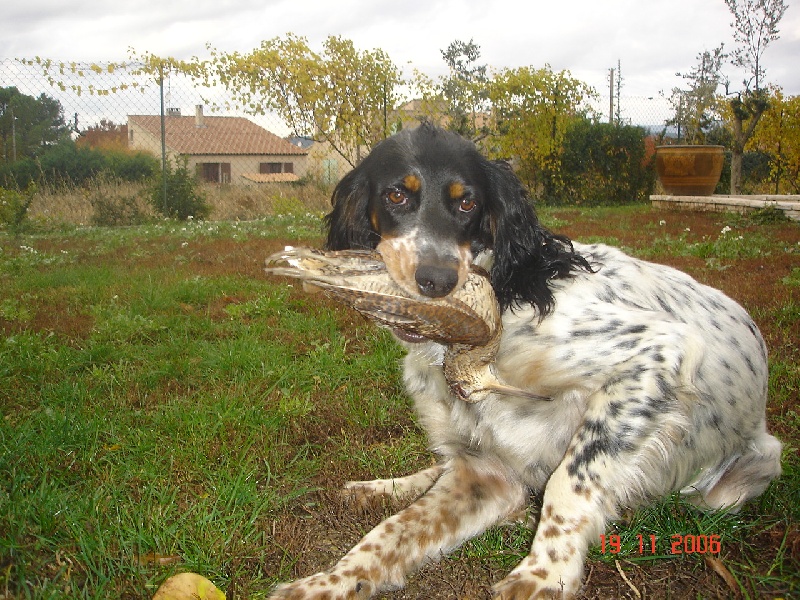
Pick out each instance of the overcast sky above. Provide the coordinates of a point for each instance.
(653, 39)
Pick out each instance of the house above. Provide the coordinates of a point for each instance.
(324, 164)
(220, 149)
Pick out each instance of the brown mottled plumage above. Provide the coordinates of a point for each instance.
(467, 322)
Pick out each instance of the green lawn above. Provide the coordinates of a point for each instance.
(164, 406)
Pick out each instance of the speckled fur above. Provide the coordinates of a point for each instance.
(657, 384)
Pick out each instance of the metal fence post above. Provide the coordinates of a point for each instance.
(163, 138)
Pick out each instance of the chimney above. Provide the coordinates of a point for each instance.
(198, 116)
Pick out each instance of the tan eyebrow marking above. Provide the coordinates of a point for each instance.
(412, 183)
(457, 191)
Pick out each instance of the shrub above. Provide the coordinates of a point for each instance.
(14, 208)
(182, 199)
(604, 163)
(767, 215)
(68, 163)
(130, 166)
(19, 175)
(116, 203)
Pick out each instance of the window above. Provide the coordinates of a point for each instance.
(330, 170)
(276, 167)
(214, 172)
(270, 168)
(209, 172)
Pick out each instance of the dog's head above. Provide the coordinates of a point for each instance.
(430, 202)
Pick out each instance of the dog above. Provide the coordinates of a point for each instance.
(652, 382)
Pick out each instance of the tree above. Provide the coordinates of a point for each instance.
(106, 135)
(532, 111)
(28, 125)
(778, 136)
(342, 96)
(696, 108)
(755, 25)
(465, 89)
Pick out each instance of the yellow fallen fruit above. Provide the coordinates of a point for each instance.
(188, 586)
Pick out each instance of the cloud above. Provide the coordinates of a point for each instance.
(653, 39)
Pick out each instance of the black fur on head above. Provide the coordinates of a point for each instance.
(526, 255)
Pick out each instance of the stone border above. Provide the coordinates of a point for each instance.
(790, 205)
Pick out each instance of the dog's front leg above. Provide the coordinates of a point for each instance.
(468, 497)
(409, 487)
(630, 430)
(553, 570)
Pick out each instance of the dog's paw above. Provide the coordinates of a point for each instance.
(531, 580)
(399, 488)
(325, 586)
(519, 587)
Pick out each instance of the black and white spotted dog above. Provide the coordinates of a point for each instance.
(656, 383)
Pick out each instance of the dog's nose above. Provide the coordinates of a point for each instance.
(436, 282)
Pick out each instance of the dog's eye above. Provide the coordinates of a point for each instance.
(467, 205)
(396, 196)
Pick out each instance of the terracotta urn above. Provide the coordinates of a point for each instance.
(689, 170)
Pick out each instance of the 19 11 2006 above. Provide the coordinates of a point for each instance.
(676, 544)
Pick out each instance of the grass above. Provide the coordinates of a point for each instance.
(164, 406)
(107, 201)
(163, 427)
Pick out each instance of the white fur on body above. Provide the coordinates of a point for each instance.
(658, 384)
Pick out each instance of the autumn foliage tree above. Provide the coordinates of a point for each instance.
(532, 110)
(106, 135)
(778, 136)
(340, 95)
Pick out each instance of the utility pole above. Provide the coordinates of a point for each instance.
(13, 136)
(611, 96)
(619, 91)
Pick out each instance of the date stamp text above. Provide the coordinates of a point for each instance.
(675, 544)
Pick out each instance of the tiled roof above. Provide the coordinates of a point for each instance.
(271, 177)
(217, 135)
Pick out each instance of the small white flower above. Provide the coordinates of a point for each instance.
(662, 222)
(725, 230)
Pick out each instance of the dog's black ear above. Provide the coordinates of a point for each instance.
(348, 223)
(526, 255)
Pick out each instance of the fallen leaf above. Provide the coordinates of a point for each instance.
(160, 560)
(720, 569)
(188, 586)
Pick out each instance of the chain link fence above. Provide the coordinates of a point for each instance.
(244, 159)
(91, 93)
